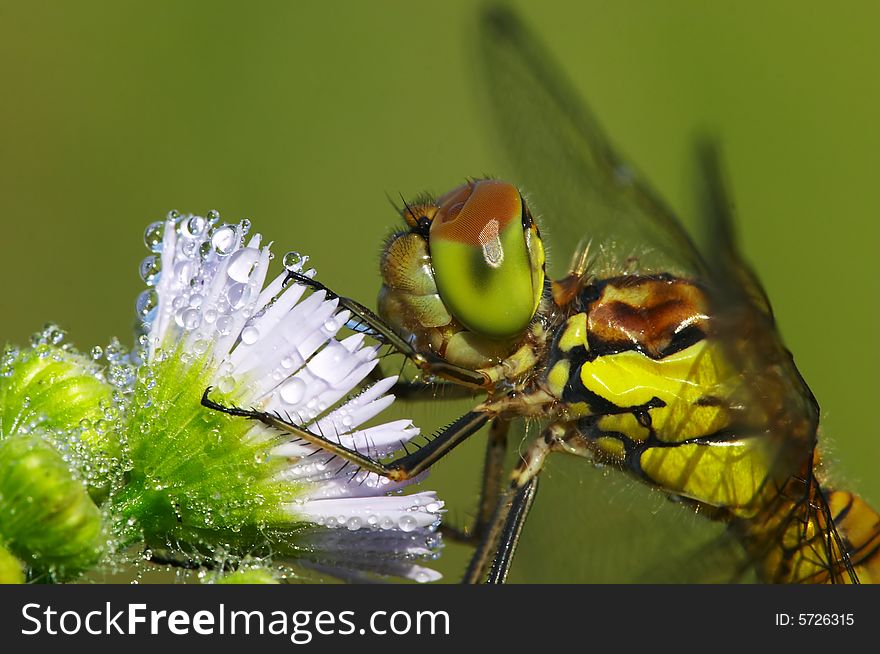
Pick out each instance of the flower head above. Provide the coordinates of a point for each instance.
(200, 478)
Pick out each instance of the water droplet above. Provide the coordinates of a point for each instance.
(192, 318)
(146, 303)
(195, 300)
(153, 236)
(210, 316)
(224, 240)
(245, 225)
(97, 352)
(407, 523)
(294, 261)
(331, 325)
(195, 226)
(250, 335)
(292, 391)
(354, 523)
(150, 268)
(422, 577)
(242, 264)
(226, 384)
(386, 523)
(213, 215)
(239, 295)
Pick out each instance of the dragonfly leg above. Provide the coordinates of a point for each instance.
(427, 362)
(418, 391)
(493, 471)
(491, 562)
(401, 469)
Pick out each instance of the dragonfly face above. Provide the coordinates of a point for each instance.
(466, 279)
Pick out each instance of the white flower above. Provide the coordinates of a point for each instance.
(277, 349)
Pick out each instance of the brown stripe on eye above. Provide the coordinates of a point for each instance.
(466, 213)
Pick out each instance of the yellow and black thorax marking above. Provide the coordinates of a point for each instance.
(637, 369)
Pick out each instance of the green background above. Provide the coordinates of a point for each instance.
(303, 116)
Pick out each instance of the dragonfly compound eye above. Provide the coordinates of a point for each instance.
(488, 261)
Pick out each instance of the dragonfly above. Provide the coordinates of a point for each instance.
(646, 356)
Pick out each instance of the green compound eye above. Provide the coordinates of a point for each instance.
(488, 262)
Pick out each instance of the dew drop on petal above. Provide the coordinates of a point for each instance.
(146, 303)
(210, 316)
(226, 384)
(242, 264)
(224, 240)
(195, 226)
(250, 335)
(386, 523)
(294, 261)
(189, 248)
(153, 235)
(239, 295)
(150, 268)
(292, 391)
(200, 346)
(192, 318)
(354, 523)
(407, 523)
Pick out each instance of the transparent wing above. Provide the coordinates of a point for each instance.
(581, 189)
(796, 536)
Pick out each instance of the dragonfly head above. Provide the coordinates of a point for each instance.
(468, 274)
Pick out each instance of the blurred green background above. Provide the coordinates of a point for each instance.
(303, 116)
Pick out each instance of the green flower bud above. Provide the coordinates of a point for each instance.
(253, 575)
(11, 569)
(62, 394)
(47, 518)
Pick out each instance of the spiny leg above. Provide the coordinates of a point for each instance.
(429, 363)
(516, 519)
(493, 471)
(419, 391)
(401, 469)
(500, 538)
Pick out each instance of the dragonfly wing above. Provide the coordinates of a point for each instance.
(571, 174)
